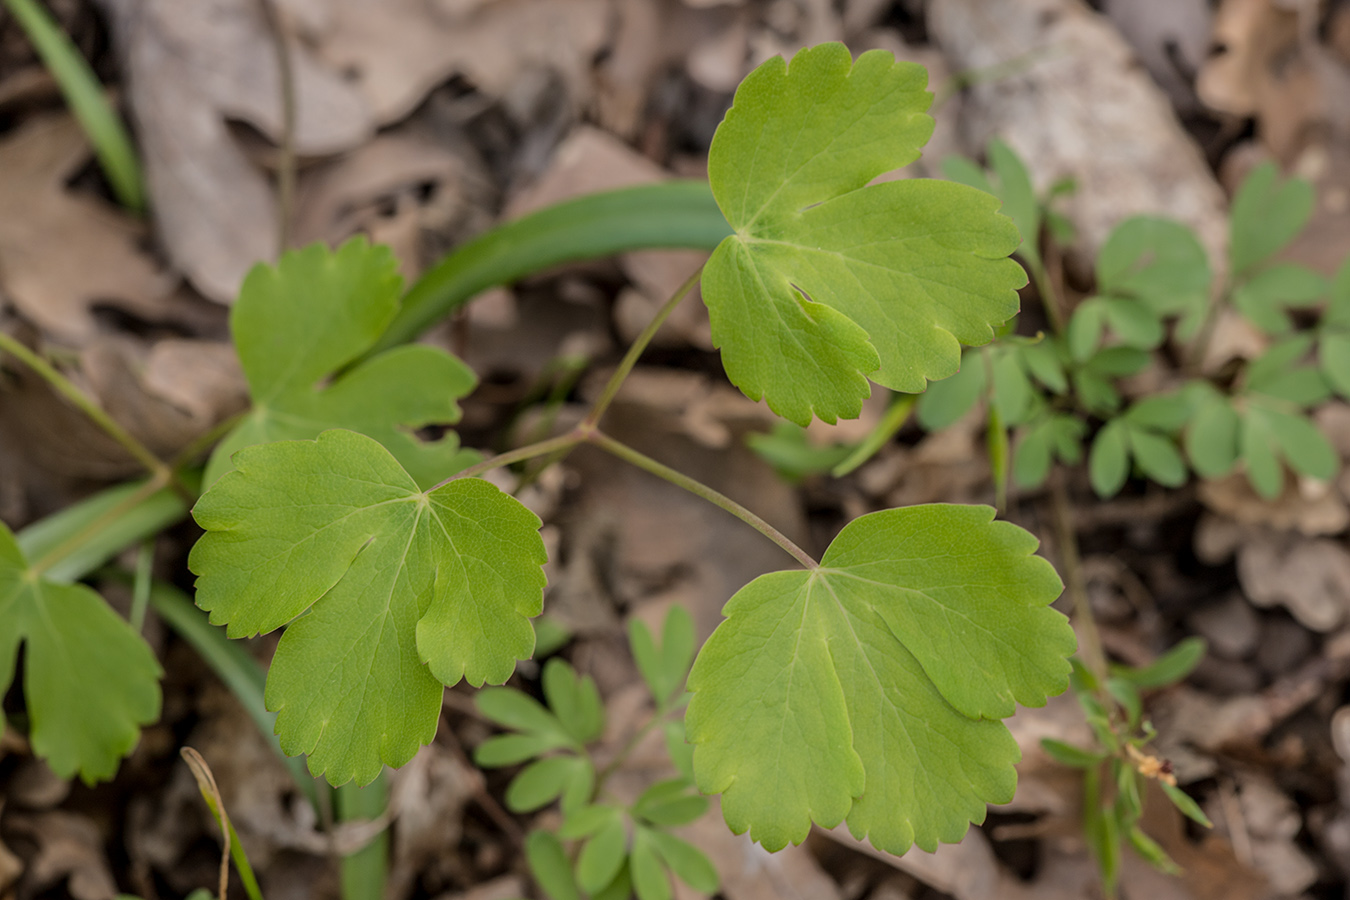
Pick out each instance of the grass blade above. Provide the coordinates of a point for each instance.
(87, 100)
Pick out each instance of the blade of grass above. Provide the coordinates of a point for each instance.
(206, 783)
(82, 537)
(668, 214)
(87, 100)
(363, 873)
(897, 414)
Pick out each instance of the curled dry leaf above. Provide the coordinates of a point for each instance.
(1078, 105)
(190, 67)
(45, 229)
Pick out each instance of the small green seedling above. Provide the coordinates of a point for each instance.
(1117, 769)
(620, 848)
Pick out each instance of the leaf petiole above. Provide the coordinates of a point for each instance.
(699, 489)
(640, 343)
(85, 404)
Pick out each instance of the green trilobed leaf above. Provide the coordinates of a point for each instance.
(869, 688)
(298, 324)
(828, 281)
(90, 681)
(401, 591)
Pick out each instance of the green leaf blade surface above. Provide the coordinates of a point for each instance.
(397, 592)
(859, 689)
(827, 281)
(298, 324)
(90, 681)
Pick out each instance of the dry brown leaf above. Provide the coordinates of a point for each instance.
(1080, 106)
(1309, 577)
(633, 538)
(1260, 69)
(649, 38)
(710, 412)
(165, 395)
(190, 68)
(1233, 338)
(70, 850)
(587, 161)
(1311, 508)
(34, 785)
(11, 867)
(61, 252)
(429, 794)
(393, 187)
(1270, 821)
(394, 51)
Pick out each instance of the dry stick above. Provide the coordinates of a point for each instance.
(286, 152)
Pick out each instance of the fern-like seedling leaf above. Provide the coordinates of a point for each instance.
(828, 281)
(391, 592)
(870, 688)
(90, 681)
(299, 325)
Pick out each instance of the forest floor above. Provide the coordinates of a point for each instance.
(423, 123)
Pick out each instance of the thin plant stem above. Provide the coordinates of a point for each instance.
(1049, 296)
(140, 591)
(207, 439)
(286, 152)
(658, 717)
(84, 404)
(640, 343)
(520, 454)
(1195, 357)
(699, 489)
(1090, 644)
(153, 485)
